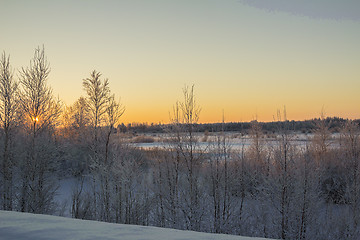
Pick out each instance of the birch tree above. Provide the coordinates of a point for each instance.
(97, 97)
(114, 111)
(167, 171)
(350, 143)
(40, 114)
(104, 113)
(191, 157)
(282, 180)
(8, 111)
(220, 183)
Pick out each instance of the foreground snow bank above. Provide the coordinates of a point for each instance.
(19, 226)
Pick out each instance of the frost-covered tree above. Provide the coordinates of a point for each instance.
(279, 186)
(191, 158)
(350, 145)
(322, 139)
(114, 111)
(97, 97)
(167, 169)
(8, 120)
(103, 113)
(130, 187)
(40, 112)
(221, 182)
(96, 100)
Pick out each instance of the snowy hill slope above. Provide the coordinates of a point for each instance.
(21, 226)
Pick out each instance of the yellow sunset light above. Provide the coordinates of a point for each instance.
(241, 57)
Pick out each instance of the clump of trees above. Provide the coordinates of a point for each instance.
(267, 188)
(29, 114)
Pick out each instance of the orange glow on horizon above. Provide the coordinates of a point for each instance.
(209, 115)
(241, 60)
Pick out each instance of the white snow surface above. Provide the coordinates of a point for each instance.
(21, 226)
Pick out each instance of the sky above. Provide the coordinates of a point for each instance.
(247, 58)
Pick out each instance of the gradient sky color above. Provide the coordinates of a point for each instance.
(246, 57)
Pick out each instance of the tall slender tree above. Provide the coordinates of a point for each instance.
(98, 93)
(350, 143)
(114, 111)
(191, 155)
(97, 98)
(104, 113)
(8, 110)
(40, 114)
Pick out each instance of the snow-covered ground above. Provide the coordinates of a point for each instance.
(234, 140)
(21, 226)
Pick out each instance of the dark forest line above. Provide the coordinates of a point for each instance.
(304, 126)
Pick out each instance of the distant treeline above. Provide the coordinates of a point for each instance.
(306, 126)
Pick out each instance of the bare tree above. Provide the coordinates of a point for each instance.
(98, 93)
(40, 112)
(284, 157)
(220, 175)
(350, 143)
(114, 111)
(167, 175)
(104, 113)
(257, 148)
(40, 108)
(173, 167)
(321, 139)
(191, 155)
(307, 195)
(8, 110)
(131, 187)
(75, 120)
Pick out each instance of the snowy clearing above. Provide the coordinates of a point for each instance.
(15, 225)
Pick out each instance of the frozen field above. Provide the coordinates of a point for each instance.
(234, 140)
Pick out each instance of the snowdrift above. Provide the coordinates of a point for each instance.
(21, 226)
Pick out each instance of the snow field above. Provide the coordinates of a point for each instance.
(27, 226)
